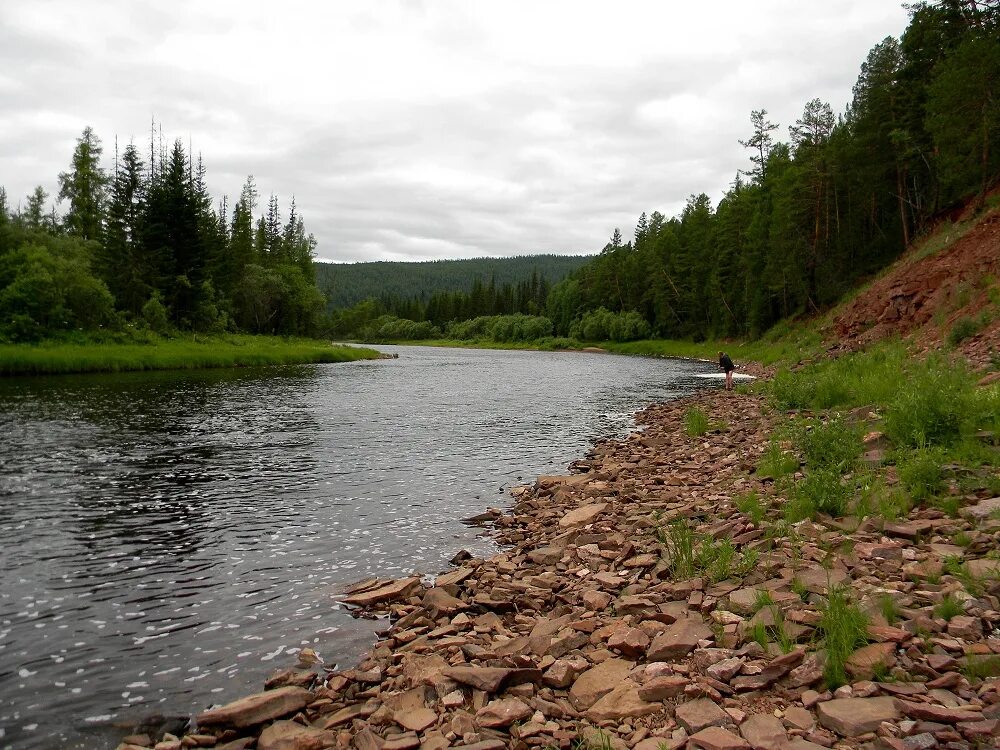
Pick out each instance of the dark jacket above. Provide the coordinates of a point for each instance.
(726, 363)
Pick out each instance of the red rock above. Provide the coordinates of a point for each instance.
(867, 659)
(717, 738)
(389, 592)
(417, 719)
(663, 688)
(256, 709)
(503, 713)
(621, 703)
(583, 515)
(939, 714)
(678, 640)
(698, 714)
(764, 732)
(289, 735)
(491, 679)
(630, 642)
(851, 717)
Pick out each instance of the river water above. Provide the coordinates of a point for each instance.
(169, 539)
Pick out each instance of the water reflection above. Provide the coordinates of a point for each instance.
(168, 539)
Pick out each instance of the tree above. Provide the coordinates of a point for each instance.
(122, 261)
(85, 188)
(760, 142)
(34, 212)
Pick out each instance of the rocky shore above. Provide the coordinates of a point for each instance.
(582, 633)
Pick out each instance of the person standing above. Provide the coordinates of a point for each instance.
(726, 363)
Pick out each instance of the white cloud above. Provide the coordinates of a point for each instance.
(438, 128)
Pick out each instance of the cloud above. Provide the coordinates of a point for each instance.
(432, 129)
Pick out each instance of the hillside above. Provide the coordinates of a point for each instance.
(945, 290)
(350, 283)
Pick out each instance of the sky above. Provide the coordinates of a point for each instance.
(427, 129)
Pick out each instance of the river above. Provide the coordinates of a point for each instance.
(169, 539)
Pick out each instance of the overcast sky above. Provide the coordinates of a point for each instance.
(421, 129)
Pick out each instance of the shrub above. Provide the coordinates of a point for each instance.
(935, 405)
(776, 462)
(834, 445)
(154, 315)
(819, 491)
(921, 472)
(964, 328)
(603, 325)
(750, 504)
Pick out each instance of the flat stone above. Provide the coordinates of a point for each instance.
(453, 576)
(623, 702)
(818, 579)
(546, 555)
(290, 735)
(389, 592)
(701, 713)
(725, 670)
(983, 509)
(402, 742)
(799, 718)
(866, 660)
(983, 567)
(583, 515)
(663, 688)
(256, 709)
(966, 628)
(678, 640)
(851, 717)
(503, 713)
(717, 738)
(595, 600)
(417, 719)
(764, 732)
(939, 714)
(907, 529)
(491, 679)
(438, 600)
(597, 682)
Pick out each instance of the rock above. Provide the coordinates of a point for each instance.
(799, 718)
(678, 640)
(908, 529)
(939, 714)
(726, 669)
(851, 717)
(982, 510)
(546, 555)
(701, 713)
(716, 738)
(389, 592)
(491, 679)
(596, 601)
(563, 672)
(503, 713)
(922, 741)
(256, 709)
(597, 682)
(818, 579)
(865, 661)
(630, 642)
(764, 732)
(415, 719)
(439, 601)
(966, 628)
(622, 703)
(663, 688)
(583, 515)
(289, 735)
(983, 567)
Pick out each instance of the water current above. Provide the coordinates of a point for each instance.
(169, 539)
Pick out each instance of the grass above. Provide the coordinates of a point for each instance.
(696, 422)
(687, 554)
(750, 504)
(186, 353)
(977, 668)
(921, 473)
(889, 608)
(843, 628)
(834, 444)
(776, 463)
(948, 607)
(820, 491)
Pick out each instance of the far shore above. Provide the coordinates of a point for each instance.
(186, 353)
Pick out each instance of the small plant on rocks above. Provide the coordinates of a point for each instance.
(695, 422)
(948, 607)
(843, 628)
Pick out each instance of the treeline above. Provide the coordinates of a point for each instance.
(142, 248)
(399, 282)
(837, 201)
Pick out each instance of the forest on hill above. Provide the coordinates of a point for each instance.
(810, 216)
(346, 284)
(142, 249)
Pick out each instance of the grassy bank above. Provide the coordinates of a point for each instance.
(186, 353)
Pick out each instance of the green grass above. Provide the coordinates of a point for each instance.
(921, 473)
(889, 608)
(843, 628)
(834, 444)
(187, 353)
(948, 607)
(977, 668)
(750, 504)
(819, 491)
(775, 462)
(696, 422)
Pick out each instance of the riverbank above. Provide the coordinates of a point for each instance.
(172, 354)
(678, 589)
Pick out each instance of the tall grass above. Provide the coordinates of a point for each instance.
(171, 354)
(843, 628)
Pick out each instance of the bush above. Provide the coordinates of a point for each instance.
(964, 328)
(921, 472)
(603, 325)
(936, 405)
(834, 445)
(154, 315)
(820, 491)
(501, 328)
(775, 462)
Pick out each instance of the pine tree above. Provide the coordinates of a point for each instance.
(122, 261)
(85, 187)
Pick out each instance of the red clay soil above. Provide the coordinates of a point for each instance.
(923, 298)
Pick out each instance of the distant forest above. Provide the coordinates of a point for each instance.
(346, 284)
